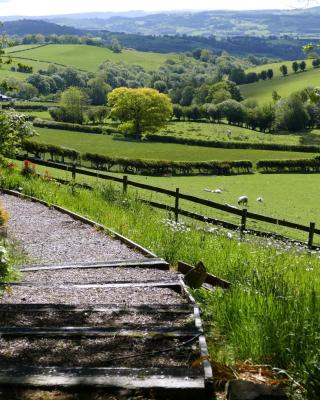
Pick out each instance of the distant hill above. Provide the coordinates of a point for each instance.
(28, 26)
(220, 23)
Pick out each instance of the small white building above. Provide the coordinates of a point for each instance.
(5, 98)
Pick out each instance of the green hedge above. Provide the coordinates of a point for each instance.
(74, 127)
(26, 107)
(57, 153)
(233, 145)
(137, 166)
(289, 166)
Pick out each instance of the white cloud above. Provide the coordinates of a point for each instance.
(46, 7)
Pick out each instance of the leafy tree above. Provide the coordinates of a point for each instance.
(14, 130)
(27, 91)
(291, 114)
(187, 96)
(115, 45)
(213, 112)
(177, 111)
(252, 77)
(270, 73)
(97, 114)
(284, 70)
(139, 110)
(238, 76)
(263, 75)
(316, 63)
(233, 111)
(192, 112)
(74, 103)
(161, 86)
(303, 66)
(98, 90)
(275, 96)
(295, 66)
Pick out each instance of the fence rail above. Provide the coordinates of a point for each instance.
(244, 214)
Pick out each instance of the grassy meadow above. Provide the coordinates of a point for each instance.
(88, 58)
(120, 147)
(292, 197)
(262, 90)
(270, 316)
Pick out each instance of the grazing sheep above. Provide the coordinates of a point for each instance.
(260, 200)
(214, 191)
(231, 206)
(243, 200)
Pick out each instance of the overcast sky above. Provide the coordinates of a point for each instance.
(47, 7)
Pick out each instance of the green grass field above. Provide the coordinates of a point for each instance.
(119, 147)
(227, 133)
(262, 90)
(89, 58)
(293, 197)
(276, 67)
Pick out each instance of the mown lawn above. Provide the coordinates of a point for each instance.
(119, 147)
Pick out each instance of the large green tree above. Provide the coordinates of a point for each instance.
(74, 102)
(140, 110)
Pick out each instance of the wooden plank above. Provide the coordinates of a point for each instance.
(70, 332)
(158, 263)
(121, 285)
(211, 279)
(151, 188)
(210, 203)
(151, 309)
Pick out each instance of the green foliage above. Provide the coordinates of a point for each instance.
(73, 105)
(115, 45)
(284, 70)
(289, 166)
(14, 130)
(291, 114)
(139, 110)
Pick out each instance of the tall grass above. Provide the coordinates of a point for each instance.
(272, 313)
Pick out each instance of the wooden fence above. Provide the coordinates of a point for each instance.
(243, 214)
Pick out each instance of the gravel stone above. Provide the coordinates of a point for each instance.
(98, 352)
(99, 275)
(120, 296)
(48, 236)
(120, 318)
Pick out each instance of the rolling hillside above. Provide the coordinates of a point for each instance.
(262, 90)
(87, 58)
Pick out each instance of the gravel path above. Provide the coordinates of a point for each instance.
(49, 236)
(100, 352)
(92, 296)
(98, 275)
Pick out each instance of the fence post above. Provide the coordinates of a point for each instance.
(74, 171)
(176, 205)
(311, 235)
(243, 222)
(125, 183)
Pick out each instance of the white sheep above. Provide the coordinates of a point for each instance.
(219, 191)
(243, 200)
(260, 200)
(231, 206)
